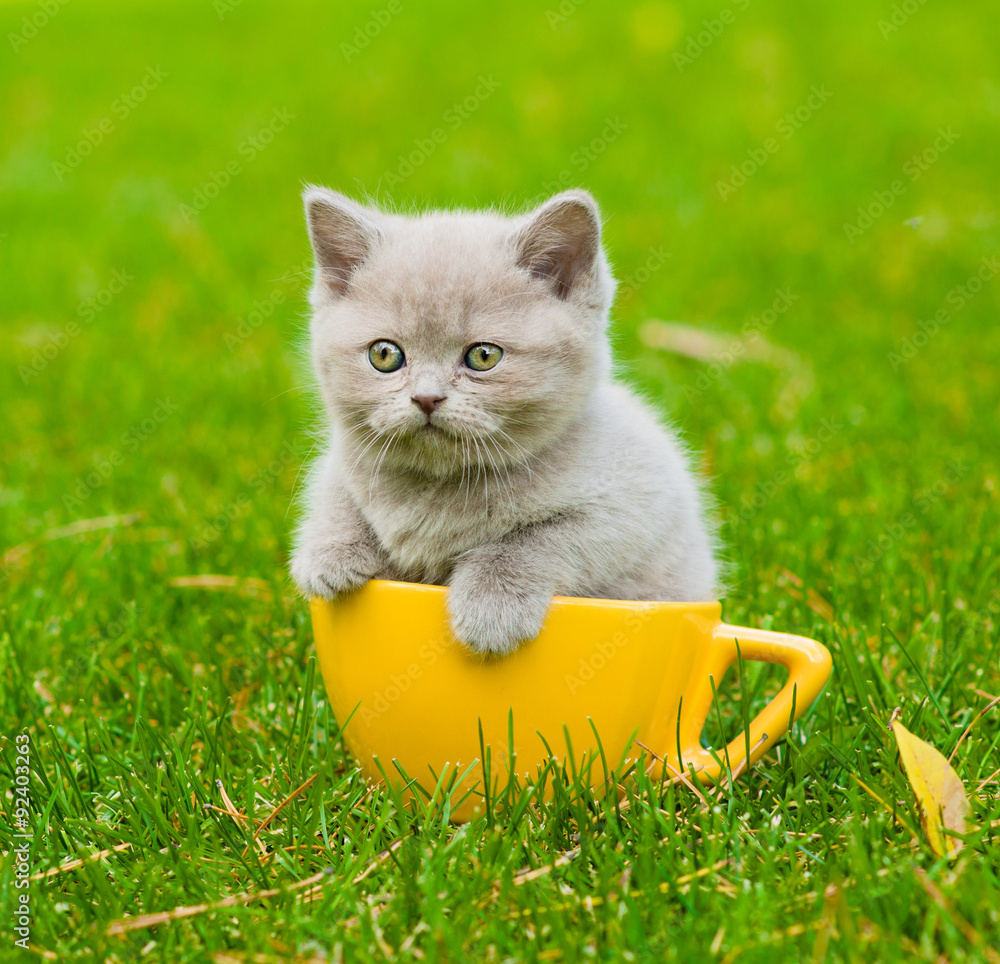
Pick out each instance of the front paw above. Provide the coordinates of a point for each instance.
(494, 617)
(332, 569)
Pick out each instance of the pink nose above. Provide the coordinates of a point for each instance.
(427, 403)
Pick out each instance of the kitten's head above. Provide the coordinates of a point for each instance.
(454, 339)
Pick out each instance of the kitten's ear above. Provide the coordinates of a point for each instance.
(342, 234)
(561, 241)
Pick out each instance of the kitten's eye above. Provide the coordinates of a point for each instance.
(386, 356)
(483, 357)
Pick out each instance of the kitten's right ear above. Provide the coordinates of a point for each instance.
(561, 242)
(343, 234)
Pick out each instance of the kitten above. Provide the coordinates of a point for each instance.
(478, 439)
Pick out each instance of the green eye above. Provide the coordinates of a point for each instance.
(386, 356)
(483, 357)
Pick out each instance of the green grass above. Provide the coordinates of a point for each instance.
(857, 489)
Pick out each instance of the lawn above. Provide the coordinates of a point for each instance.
(812, 188)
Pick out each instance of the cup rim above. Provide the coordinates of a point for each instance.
(563, 601)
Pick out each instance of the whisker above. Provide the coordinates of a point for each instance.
(383, 452)
(527, 456)
(465, 467)
(295, 481)
(367, 445)
(510, 483)
(486, 480)
(293, 274)
(294, 388)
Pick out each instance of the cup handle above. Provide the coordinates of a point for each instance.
(808, 664)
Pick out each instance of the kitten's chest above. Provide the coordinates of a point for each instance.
(425, 525)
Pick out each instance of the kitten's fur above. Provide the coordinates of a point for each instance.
(540, 477)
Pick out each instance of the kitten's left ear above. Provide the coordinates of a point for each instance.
(343, 235)
(561, 241)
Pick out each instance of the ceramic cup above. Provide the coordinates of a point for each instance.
(603, 677)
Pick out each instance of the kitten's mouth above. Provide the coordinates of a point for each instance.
(435, 434)
(434, 430)
(431, 432)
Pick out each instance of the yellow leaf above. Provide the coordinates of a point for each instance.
(939, 791)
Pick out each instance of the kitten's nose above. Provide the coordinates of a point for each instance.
(427, 403)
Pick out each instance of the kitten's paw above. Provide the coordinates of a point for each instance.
(494, 618)
(332, 569)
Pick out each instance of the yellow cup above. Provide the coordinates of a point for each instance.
(417, 702)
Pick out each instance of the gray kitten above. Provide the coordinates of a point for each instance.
(478, 439)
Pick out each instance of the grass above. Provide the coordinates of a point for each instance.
(152, 381)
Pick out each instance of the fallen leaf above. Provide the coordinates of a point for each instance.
(243, 585)
(939, 790)
(12, 557)
(726, 349)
